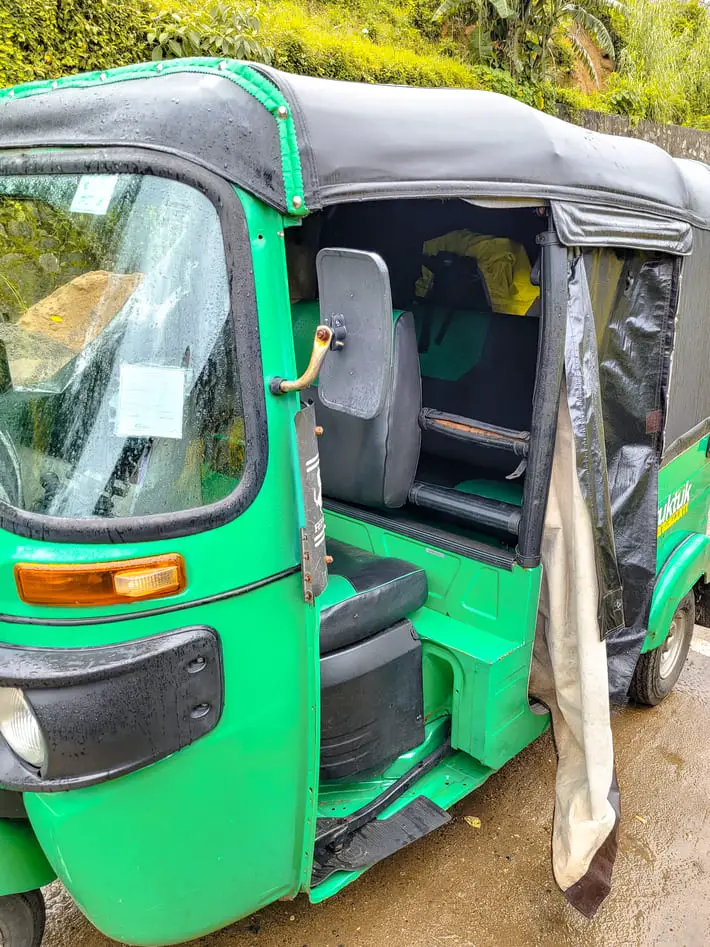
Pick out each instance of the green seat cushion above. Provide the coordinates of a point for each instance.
(460, 349)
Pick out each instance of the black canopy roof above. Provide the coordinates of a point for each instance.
(302, 143)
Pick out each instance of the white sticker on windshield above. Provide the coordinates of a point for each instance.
(93, 194)
(150, 401)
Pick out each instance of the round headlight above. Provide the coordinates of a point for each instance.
(20, 728)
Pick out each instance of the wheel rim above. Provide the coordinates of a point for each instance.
(672, 646)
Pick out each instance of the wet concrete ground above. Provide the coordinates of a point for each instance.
(493, 887)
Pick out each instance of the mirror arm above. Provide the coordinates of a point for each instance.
(321, 344)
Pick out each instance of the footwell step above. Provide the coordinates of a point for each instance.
(380, 838)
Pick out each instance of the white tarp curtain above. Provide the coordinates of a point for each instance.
(599, 541)
(569, 675)
(580, 604)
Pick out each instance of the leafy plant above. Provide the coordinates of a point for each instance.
(666, 56)
(627, 98)
(216, 30)
(524, 35)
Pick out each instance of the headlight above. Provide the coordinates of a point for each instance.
(19, 727)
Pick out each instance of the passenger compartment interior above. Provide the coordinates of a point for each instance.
(448, 451)
(465, 291)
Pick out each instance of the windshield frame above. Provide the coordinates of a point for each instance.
(245, 335)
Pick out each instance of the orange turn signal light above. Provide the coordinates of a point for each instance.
(101, 583)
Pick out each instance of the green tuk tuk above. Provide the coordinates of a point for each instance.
(348, 434)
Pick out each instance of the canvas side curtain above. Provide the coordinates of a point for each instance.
(599, 542)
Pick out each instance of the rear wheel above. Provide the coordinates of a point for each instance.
(702, 604)
(22, 919)
(657, 671)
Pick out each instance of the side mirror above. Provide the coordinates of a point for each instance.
(356, 303)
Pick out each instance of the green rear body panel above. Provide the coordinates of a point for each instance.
(683, 541)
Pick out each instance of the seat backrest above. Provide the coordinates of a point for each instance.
(482, 366)
(371, 463)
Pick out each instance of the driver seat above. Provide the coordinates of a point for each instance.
(372, 706)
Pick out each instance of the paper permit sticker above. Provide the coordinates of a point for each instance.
(150, 401)
(93, 194)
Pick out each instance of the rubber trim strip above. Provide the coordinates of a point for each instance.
(150, 612)
(470, 548)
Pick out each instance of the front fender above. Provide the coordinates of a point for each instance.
(23, 866)
(688, 562)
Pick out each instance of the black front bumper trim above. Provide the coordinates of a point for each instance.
(110, 710)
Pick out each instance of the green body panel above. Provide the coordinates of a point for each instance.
(509, 491)
(23, 865)
(160, 855)
(226, 825)
(683, 547)
(478, 628)
(341, 798)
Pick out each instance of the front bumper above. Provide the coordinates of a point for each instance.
(110, 710)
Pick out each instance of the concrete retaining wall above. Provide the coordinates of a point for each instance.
(678, 141)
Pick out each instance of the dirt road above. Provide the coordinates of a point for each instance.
(492, 887)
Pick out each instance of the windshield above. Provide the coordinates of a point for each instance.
(119, 393)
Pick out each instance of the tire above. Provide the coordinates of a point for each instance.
(22, 919)
(702, 604)
(657, 671)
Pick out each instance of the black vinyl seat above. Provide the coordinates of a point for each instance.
(372, 698)
(372, 694)
(384, 591)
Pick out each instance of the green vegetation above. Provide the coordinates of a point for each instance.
(530, 38)
(663, 65)
(216, 30)
(341, 41)
(646, 59)
(42, 39)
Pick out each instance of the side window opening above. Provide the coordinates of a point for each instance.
(469, 277)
